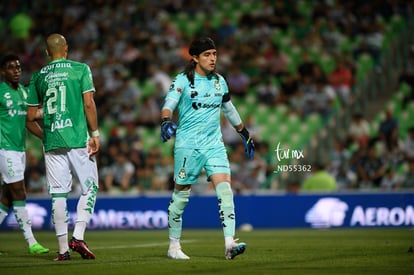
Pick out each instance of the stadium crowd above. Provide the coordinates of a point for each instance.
(296, 54)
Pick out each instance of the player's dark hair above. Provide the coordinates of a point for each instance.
(7, 58)
(198, 46)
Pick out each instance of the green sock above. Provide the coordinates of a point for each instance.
(178, 202)
(226, 208)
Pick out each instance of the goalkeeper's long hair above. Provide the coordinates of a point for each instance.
(190, 69)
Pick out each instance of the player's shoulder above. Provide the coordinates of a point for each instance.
(220, 76)
(180, 76)
(180, 79)
(4, 87)
(77, 63)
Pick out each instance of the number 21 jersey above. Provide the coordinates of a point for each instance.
(59, 88)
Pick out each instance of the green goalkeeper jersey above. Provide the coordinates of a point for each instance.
(13, 110)
(199, 108)
(59, 88)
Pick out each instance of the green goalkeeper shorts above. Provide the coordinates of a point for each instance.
(188, 163)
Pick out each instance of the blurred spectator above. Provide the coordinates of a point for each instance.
(390, 181)
(155, 174)
(126, 114)
(238, 81)
(132, 137)
(371, 40)
(314, 40)
(148, 113)
(120, 174)
(332, 37)
(407, 76)
(253, 175)
(225, 31)
(356, 157)
(339, 168)
(160, 79)
(130, 92)
(36, 181)
(306, 68)
(278, 63)
(320, 99)
(301, 29)
(268, 92)
(408, 178)
(297, 103)
(371, 169)
(250, 174)
(163, 171)
(281, 15)
(341, 80)
(288, 87)
(408, 147)
(388, 131)
(359, 130)
(144, 175)
(319, 180)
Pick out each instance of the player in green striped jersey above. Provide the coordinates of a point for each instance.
(13, 110)
(64, 88)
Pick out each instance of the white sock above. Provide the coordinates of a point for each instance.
(79, 231)
(60, 220)
(63, 243)
(174, 243)
(22, 218)
(85, 209)
(228, 241)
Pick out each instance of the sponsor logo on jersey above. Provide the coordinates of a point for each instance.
(60, 124)
(53, 76)
(193, 94)
(49, 67)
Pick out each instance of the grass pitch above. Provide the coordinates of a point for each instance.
(334, 251)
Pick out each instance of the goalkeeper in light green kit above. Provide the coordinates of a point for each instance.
(70, 138)
(200, 94)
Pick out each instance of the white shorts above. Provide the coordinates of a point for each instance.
(12, 165)
(63, 164)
